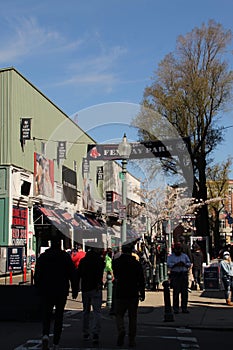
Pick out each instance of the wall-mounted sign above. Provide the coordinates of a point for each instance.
(19, 225)
(14, 258)
(61, 150)
(69, 181)
(85, 167)
(99, 174)
(43, 176)
(25, 130)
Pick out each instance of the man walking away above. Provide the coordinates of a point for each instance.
(130, 288)
(90, 273)
(54, 271)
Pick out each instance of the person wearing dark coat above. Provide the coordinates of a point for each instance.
(130, 288)
(197, 261)
(54, 273)
(90, 274)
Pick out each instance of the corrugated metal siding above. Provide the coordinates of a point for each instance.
(20, 99)
(5, 120)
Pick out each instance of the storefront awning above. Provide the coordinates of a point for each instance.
(60, 218)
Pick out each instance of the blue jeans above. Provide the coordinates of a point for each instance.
(228, 287)
(92, 298)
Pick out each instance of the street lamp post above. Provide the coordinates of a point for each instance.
(124, 150)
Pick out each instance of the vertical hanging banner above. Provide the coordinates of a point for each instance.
(85, 166)
(61, 150)
(43, 176)
(69, 182)
(25, 130)
(99, 174)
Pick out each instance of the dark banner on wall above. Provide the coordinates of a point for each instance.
(25, 130)
(85, 167)
(61, 150)
(113, 202)
(69, 181)
(99, 174)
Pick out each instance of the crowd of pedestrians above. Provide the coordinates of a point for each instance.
(131, 269)
(57, 271)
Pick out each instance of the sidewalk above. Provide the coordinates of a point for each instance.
(208, 310)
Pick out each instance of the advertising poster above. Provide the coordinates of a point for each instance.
(43, 176)
(19, 226)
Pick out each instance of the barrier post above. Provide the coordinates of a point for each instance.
(109, 290)
(11, 277)
(168, 314)
(24, 268)
(161, 275)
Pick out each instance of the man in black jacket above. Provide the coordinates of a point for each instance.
(54, 271)
(130, 288)
(90, 273)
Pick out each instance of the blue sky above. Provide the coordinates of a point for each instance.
(85, 53)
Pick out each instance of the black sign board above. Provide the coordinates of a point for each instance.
(85, 166)
(211, 278)
(69, 181)
(139, 150)
(99, 174)
(61, 150)
(25, 130)
(14, 258)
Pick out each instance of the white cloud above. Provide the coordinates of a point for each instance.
(97, 68)
(26, 38)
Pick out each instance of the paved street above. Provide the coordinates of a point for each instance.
(208, 311)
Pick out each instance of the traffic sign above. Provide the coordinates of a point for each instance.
(122, 212)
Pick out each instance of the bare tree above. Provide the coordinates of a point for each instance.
(190, 89)
(217, 185)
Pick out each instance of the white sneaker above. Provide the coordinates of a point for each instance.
(45, 342)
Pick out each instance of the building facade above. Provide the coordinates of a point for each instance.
(47, 186)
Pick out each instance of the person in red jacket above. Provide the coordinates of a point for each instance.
(77, 255)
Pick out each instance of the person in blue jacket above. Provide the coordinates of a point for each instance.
(226, 270)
